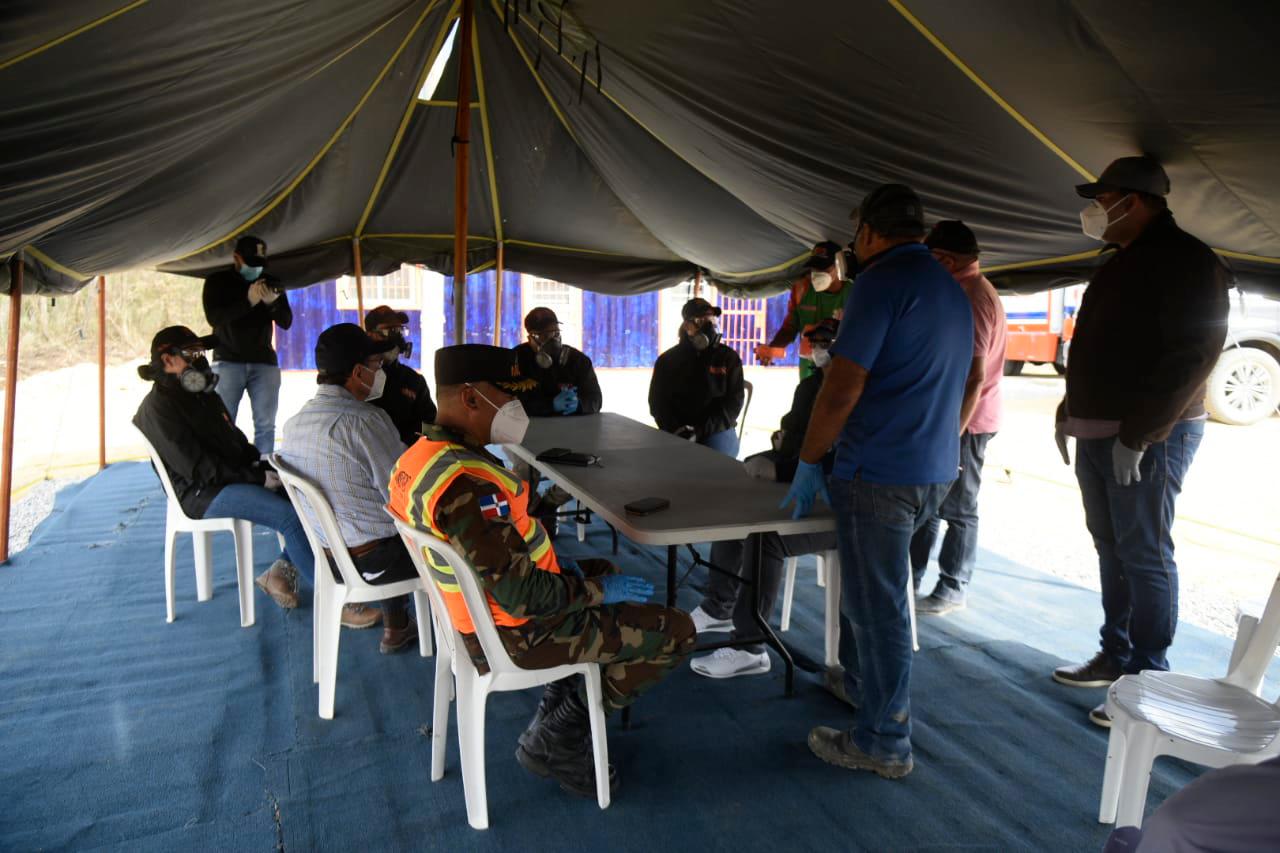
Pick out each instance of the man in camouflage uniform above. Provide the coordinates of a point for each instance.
(548, 612)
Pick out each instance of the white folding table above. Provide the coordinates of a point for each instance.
(712, 496)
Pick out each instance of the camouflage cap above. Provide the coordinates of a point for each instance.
(457, 365)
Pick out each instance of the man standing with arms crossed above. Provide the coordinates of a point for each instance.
(891, 398)
(1150, 328)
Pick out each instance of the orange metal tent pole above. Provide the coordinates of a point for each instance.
(10, 399)
(102, 372)
(462, 153)
(497, 300)
(697, 282)
(358, 267)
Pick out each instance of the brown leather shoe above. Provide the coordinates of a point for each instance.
(398, 639)
(360, 616)
(281, 583)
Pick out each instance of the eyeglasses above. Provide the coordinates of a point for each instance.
(388, 331)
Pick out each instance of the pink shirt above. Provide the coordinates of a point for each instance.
(990, 335)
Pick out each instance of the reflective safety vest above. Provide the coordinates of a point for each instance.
(423, 475)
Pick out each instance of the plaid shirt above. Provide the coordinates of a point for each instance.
(348, 448)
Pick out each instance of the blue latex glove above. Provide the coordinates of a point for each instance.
(620, 588)
(566, 402)
(810, 482)
(570, 567)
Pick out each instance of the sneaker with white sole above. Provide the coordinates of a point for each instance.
(1099, 716)
(704, 622)
(730, 663)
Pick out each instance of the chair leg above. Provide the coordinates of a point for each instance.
(1110, 798)
(471, 703)
(331, 633)
(911, 613)
(599, 736)
(821, 574)
(788, 592)
(244, 570)
(582, 528)
(318, 588)
(170, 537)
(423, 609)
(440, 709)
(831, 634)
(200, 541)
(1135, 775)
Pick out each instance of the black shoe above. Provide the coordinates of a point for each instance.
(834, 747)
(552, 695)
(1099, 671)
(560, 747)
(1099, 716)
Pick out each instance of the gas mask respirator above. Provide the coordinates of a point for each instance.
(704, 337)
(551, 352)
(198, 377)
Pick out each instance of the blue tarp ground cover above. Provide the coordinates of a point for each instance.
(120, 731)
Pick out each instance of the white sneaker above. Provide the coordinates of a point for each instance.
(730, 663)
(704, 622)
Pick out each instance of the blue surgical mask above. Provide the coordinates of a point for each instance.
(251, 273)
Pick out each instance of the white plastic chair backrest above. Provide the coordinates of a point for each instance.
(746, 406)
(161, 471)
(303, 494)
(414, 542)
(1252, 666)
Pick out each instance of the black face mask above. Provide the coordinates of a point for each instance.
(198, 377)
(405, 346)
(551, 352)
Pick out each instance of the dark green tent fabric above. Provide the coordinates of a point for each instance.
(620, 145)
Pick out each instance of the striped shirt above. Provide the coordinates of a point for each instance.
(348, 448)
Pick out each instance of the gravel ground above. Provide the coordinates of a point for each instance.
(31, 509)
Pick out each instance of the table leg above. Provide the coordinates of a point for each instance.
(671, 575)
(756, 542)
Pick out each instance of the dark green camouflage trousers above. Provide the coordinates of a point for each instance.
(635, 644)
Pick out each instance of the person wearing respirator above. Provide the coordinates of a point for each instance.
(406, 397)
(696, 391)
(1150, 328)
(214, 470)
(548, 611)
(241, 305)
(343, 442)
(818, 296)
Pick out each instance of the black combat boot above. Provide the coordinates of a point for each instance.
(560, 747)
(552, 695)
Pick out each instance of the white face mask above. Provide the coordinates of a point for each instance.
(376, 387)
(509, 424)
(820, 280)
(1094, 219)
(821, 357)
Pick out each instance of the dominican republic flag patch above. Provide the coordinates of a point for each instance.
(494, 506)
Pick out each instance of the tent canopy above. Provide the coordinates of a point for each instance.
(620, 145)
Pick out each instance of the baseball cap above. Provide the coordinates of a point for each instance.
(178, 338)
(540, 319)
(952, 235)
(699, 307)
(498, 366)
(1142, 174)
(253, 250)
(385, 314)
(823, 255)
(891, 206)
(340, 348)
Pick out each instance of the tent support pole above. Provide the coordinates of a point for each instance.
(497, 299)
(359, 271)
(697, 282)
(10, 399)
(102, 372)
(461, 156)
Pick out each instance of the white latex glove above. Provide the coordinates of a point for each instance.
(271, 480)
(1060, 436)
(267, 295)
(1125, 463)
(255, 294)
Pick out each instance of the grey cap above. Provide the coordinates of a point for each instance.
(891, 206)
(1139, 174)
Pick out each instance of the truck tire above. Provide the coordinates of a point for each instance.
(1244, 386)
(1013, 368)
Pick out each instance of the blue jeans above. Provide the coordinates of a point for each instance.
(263, 506)
(1131, 528)
(726, 441)
(874, 526)
(959, 510)
(262, 381)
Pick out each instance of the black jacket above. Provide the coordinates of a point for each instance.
(794, 425)
(202, 450)
(407, 400)
(577, 370)
(1150, 329)
(699, 389)
(243, 330)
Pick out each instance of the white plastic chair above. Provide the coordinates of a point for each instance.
(473, 689)
(201, 530)
(329, 595)
(789, 584)
(1216, 722)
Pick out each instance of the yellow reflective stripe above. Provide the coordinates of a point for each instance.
(54, 265)
(418, 497)
(538, 553)
(1078, 256)
(1245, 256)
(68, 36)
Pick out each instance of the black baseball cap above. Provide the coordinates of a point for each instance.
(498, 366)
(699, 307)
(385, 314)
(179, 338)
(1141, 174)
(952, 235)
(252, 250)
(540, 320)
(340, 348)
(889, 207)
(823, 255)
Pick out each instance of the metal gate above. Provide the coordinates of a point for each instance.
(742, 326)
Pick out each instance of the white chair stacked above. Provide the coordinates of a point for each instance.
(202, 530)
(473, 689)
(329, 595)
(1216, 722)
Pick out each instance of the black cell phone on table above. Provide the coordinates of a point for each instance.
(646, 506)
(565, 456)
